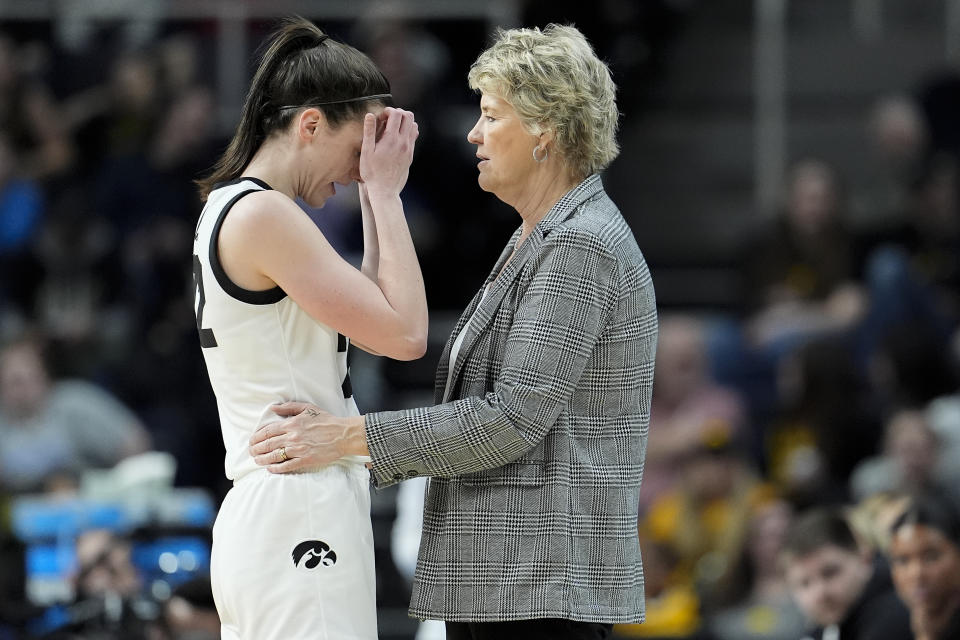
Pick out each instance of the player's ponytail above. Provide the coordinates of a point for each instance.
(300, 67)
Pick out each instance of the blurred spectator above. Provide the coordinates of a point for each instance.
(185, 145)
(758, 605)
(134, 107)
(29, 116)
(78, 280)
(180, 61)
(897, 134)
(827, 423)
(49, 427)
(932, 237)
(136, 136)
(704, 519)
(128, 193)
(21, 214)
(925, 559)
(108, 603)
(190, 613)
(104, 565)
(844, 591)
(673, 607)
(800, 269)
(872, 517)
(913, 267)
(913, 461)
(910, 368)
(943, 415)
(686, 403)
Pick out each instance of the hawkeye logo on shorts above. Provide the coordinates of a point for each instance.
(313, 553)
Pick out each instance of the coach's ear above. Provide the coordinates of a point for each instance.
(545, 137)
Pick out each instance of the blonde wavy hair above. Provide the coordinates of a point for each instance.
(555, 82)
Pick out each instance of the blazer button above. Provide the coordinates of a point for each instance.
(413, 473)
(398, 476)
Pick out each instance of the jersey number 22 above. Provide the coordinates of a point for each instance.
(207, 339)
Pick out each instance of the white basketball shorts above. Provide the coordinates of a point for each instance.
(292, 557)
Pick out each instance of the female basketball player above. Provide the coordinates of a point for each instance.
(276, 310)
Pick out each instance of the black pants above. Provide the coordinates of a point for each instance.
(542, 629)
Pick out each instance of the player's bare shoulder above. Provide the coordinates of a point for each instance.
(264, 207)
(263, 217)
(259, 228)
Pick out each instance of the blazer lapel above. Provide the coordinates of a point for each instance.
(487, 309)
(443, 365)
(500, 284)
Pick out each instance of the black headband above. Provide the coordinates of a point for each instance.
(375, 96)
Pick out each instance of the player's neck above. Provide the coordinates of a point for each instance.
(275, 167)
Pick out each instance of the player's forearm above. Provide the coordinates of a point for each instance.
(370, 266)
(398, 273)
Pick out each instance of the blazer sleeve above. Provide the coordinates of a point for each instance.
(559, 318)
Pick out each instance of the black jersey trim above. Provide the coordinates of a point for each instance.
(266, 296)
(256, 181)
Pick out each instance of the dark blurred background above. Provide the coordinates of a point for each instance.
(790, 170)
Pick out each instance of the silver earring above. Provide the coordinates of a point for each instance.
(545, 153)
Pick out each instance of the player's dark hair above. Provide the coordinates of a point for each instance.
(301, 67)
(818, 528)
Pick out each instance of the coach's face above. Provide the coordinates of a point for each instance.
(504, 149)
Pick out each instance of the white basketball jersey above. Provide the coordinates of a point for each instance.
(260, 347)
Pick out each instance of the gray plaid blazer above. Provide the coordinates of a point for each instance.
(535, 452)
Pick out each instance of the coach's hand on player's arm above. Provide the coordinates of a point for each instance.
(308, 437)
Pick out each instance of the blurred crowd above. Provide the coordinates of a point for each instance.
(833, 385)
(787, 438)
